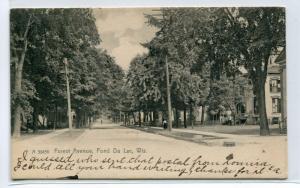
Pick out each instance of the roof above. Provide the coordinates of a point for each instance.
(281, 59)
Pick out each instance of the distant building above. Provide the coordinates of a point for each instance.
(273, 93)
(281, 61)
(273, 96)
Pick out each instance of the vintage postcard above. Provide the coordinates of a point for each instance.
(148, 93)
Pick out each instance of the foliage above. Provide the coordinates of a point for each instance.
(55, 34)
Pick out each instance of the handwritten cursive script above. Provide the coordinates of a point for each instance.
(181, 167)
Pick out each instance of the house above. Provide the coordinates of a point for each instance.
(281, 61)
(273, 93)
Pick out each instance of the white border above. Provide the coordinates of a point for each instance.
(293, 78)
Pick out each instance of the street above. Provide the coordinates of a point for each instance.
(115, 141)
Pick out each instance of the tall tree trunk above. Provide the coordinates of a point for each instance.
(259, 81)
(77, 118)
(177, 118)
(84, 120)
(184, 118)
(18, 83)
(169, 107)
(18, 90)
(145, 116)
(234, 97)
(202, 114)
(261, 99)
(55, 118)
(90, 121)
(151, 116)
(140, 119)
(17, 122)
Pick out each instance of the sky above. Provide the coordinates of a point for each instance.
(122, 31)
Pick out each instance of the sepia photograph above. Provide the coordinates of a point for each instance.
(148, 93)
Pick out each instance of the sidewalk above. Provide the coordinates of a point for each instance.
(51, 136)
(210, 138)
(40, 134)
(62, 135)
(236, 129)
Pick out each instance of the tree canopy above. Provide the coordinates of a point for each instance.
(44, 37)
(206, 47)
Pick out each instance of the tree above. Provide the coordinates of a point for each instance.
(226, 39)
(225, 95)
(40, 40)
(19, 46)
(147, 74)
(258, 34)
(182, 32)
(144, 82)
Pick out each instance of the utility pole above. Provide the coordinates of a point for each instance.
(68, 94)
(168, 97)
(234, 100)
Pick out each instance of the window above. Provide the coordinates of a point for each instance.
(274, 85)
(276, 105)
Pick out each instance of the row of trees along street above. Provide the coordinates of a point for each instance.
(41, 39)
(202, 50)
